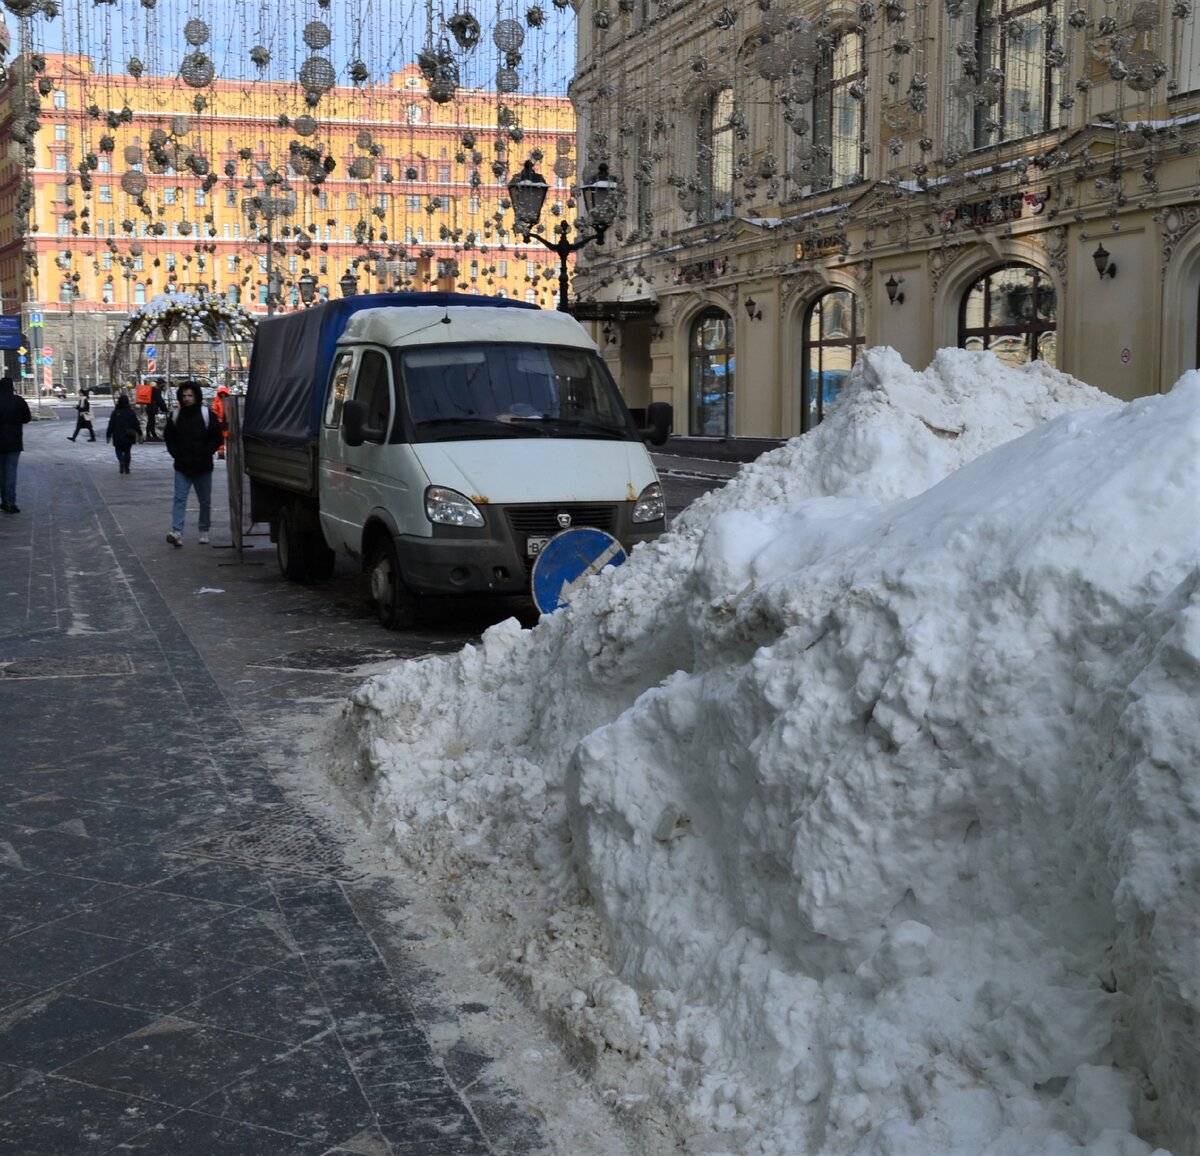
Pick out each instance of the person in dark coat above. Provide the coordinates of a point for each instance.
(123, 432)
(193, 435)
(83, 417)
(14, 413)
(156, 406)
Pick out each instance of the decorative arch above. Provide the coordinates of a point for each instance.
(957, 278)
(1011, 311)
(193, 335)
(1181, 305)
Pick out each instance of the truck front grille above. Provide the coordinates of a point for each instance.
(542, 521)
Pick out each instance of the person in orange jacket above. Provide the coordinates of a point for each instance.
(222, 416)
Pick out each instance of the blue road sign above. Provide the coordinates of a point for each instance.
(35, 319)
(47, 360)
(21, 358)
(565, 562)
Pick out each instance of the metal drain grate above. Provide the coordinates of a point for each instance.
(287, 839)
(79, 666)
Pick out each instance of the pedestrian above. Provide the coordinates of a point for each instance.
(154, 407)
(220, 408)
(193, 435)
(14, 413)
(123, 432)
(83, 417)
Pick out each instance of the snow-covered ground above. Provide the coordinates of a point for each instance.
(861, 812)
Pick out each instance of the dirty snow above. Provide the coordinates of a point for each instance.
(859, 814)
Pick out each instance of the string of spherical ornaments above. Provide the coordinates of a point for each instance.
(197, 69)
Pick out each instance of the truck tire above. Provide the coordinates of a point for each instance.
(396, 607)
(290, 549)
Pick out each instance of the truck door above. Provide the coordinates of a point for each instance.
(359, 479)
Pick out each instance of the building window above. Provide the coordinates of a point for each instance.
(413, 204)
(233, 294)
(1012, 60)
(833, 333)
(231, 263)
(106, 292)
(139, 293)
(60, 132)
(444, 174)
(62, 193)
(530, 269)
(169, 195)
(139, 262)
(64, 227)
(169, 261)
(1013, 313)
(837, 120)
(66, 291)
(60, 98)
(106, 260)
(199, 197)
(231, 198)
(60, 162)
(472, 204)
(413, 114)
(710, 375)
(105, 165)
(352, 200)
(714, 149)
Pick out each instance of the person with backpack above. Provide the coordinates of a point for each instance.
(123, 432)
(14, 415)
(83, 417)
(192, 435)
(220, 404)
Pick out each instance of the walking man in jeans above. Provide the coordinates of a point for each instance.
(193, 435)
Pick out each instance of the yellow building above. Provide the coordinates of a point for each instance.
(115, 188)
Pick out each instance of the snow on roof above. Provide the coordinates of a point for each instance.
(859, 813)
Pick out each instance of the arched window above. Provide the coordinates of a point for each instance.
(710, 375)
(837, 120)
(106, 292)
(139, 293)
(833, 333)
(714, 152)
(1011, 312)
(1013, 59)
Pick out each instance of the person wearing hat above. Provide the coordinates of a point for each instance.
(14, 413)
(192, 435)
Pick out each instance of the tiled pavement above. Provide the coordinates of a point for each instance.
(187, 964)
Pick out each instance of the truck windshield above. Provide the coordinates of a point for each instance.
(456, 392)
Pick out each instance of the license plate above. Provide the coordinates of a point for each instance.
(534, 546)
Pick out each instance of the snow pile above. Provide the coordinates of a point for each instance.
(880, 770)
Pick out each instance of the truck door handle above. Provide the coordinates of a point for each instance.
(352, 470)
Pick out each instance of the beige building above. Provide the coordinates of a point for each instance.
(802, 181)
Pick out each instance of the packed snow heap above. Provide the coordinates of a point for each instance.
(860, 813)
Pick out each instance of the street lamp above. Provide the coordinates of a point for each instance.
(527, 191)
(348, 284)
(270, 206)
(307, 285)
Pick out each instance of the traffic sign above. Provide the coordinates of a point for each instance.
(47, 360)
(22, 350)
(21, 357)
(569, 559)
(46, 351)
(35, 319)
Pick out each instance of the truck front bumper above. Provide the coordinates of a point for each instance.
(496, 558)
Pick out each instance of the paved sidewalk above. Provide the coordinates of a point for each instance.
(189, 960)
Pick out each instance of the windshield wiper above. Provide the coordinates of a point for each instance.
(586, 428)
(468, 429)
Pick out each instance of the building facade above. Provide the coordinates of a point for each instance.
(116, 188)
(802, 181)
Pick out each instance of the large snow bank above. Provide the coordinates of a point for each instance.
(880, 770)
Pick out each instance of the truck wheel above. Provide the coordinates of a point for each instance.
(289, 549)
(321, 559)
(396, 607)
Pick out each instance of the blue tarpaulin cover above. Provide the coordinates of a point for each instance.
(293, 353)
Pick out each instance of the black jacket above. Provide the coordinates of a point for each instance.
(123, 427)
(14, 413)
(191, 441)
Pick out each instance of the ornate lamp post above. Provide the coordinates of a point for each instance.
(307, 284)
(527, 191)
(348, 284)
(274, 201)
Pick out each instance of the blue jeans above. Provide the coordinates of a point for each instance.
(202, 484)
(8, 478)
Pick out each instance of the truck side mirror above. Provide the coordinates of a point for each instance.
(660, 415)
(354, 421)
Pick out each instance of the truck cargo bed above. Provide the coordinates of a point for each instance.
(293, 469)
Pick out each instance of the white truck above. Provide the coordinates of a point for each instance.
(440, 440)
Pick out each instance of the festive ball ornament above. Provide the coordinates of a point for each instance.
(316, 35)
(305, 125)
(508, 34)
(317, 74)
(195, 32)
(197, 70)
(134, 183)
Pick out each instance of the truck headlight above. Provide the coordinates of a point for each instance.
(450, 508)
(651, 506)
